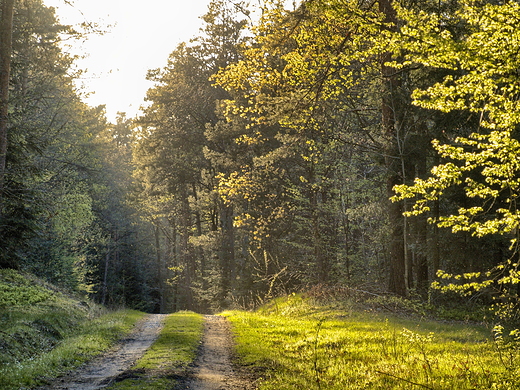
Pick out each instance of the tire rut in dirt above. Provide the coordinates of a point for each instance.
(213, 369)
(103, 370)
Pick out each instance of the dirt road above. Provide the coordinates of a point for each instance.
(213, 368)
(101, 371)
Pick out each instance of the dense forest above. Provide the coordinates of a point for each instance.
(368, 145)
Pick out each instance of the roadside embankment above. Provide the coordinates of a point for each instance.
(45, 332)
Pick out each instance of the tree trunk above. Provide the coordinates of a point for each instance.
(345, 222)
(200, 252)
(160, 266)
(227, 252)
(390, 113)
(174, 264)
(421, 225)
(187, 258)
(6, 37)
(105, 278)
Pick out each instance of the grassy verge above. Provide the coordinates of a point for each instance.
(45, 332)
(298, 344)
(168, 357)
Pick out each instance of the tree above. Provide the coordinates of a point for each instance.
(319, 74)
(37, 78)
(172, 163)
(482, 79)
(6, 33)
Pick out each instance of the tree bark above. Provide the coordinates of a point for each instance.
(227, 252)
(390, 113)
(421, 225)
(187, 257)
(160, 266)
(6, 37)
(105, 278)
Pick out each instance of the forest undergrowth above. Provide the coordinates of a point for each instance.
(303, 343)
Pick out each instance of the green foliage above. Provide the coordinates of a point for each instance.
(293, 122)
(483, 80)
(300, 344)
(170, 354)
(492, 159)
(176, 171)
(68, 174)
(480, 66)
(480, 56)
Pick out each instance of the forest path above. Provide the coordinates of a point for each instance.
(213, 369)
(101, 371)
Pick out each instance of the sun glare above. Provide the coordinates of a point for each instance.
(139, 36)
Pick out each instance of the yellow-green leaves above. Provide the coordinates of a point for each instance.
(295, 60)
(482, 65)
(488, 168)
(480, 61)
(483, 59)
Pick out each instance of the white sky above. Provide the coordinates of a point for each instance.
(142, 35)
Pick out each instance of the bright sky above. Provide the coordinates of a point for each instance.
(142, 35)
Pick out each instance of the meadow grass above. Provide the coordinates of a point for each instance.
(169, 356)
(298, 344)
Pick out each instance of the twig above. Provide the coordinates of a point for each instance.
(404, 380)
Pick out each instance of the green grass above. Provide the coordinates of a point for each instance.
(298, 344)
(44, 332)
(169, 356)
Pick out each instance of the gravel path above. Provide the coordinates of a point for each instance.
(101, 371)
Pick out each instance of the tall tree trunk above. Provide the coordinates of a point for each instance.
(200, 250)
(227, 252)
(390, 112)
(435, 241)
(345, 222)
(421, 226)
(174, 264)
(187, 257)
(6, 37)
(105, 278)
(160, 267)
(436, 252)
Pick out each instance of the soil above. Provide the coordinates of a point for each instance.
(215, 368)
(100, 372)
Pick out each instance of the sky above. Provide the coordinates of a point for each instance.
(141, 35)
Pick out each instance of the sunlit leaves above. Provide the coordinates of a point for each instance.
(483, 59)
(484, 79)
(299, 57)
(464, 284)
(476, 50)
(494, 159)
